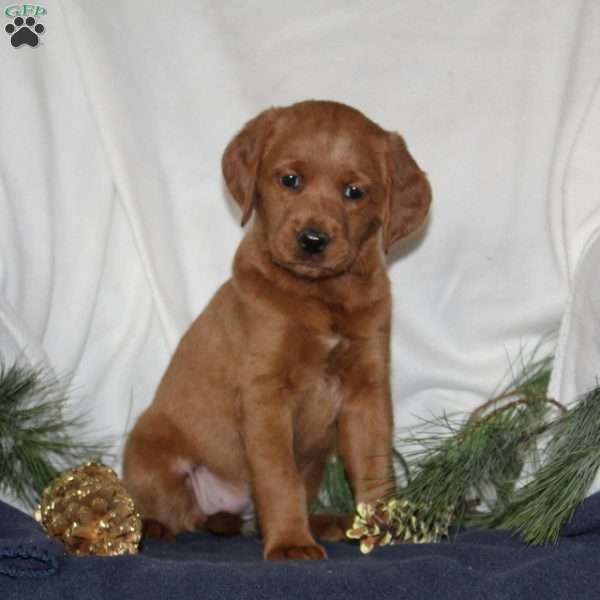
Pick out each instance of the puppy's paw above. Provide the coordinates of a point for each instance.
(309, 552)
(329, 527)
(156, 530)
(224, 523)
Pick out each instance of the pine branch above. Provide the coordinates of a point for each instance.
(540, 508)
(37, 438)
(485, 452)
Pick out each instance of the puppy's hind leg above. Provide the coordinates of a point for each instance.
(156, 475)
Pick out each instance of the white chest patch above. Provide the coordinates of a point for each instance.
(332, 340)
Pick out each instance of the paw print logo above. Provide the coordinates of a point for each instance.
(24, 32)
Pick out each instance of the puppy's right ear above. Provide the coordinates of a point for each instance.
(241, 160)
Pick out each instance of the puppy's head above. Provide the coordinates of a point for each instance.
(323, 179)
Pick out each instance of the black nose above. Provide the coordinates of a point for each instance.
(313, 241)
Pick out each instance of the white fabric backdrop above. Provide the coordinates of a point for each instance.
(114, 225)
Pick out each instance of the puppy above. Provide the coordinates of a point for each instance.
(290, 359)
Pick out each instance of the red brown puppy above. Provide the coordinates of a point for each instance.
(290, 359)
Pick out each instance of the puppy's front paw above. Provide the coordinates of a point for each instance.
(283, 552)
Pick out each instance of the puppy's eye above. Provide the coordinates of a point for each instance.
(353, 192)
(291, 180)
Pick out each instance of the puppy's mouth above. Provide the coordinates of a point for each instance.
(312, 267)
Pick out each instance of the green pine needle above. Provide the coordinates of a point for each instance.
(468, 459)
(37, 439)
(540, 509)
(532, 378)
(336, 495)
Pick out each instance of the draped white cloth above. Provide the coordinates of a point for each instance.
(115, 229)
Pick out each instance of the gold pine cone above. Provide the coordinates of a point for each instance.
(91, 512)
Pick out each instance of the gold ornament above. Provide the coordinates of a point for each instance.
(89, 509)
(397, 520)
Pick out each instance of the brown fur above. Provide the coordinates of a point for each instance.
(290, 359)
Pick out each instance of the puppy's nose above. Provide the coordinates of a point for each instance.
(313, 241)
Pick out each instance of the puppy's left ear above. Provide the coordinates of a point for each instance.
(241, 161)
(408, 193)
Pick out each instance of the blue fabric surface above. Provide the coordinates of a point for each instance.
(476, 564)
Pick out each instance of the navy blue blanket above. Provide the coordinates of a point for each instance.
(475, 564)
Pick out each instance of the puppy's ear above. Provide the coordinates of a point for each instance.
(241, 160)
(408, 193)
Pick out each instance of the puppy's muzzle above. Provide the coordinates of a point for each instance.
(313, 241)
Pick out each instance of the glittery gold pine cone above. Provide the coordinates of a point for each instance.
(89, 509)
